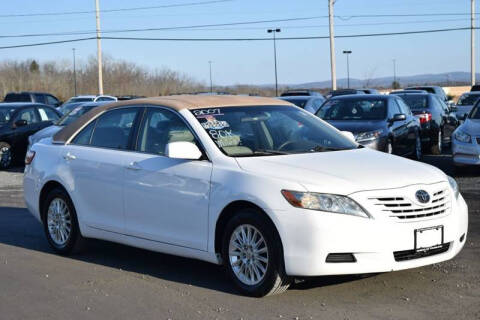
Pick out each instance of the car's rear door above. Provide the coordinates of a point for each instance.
(95, 162)
(411, 123)
(398, 129)
(166, 200)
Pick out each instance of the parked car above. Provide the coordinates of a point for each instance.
(17, 122)
(407, 91)
(35, 97)
(369, 91)
(128, 97)
(74, 102)
(380, 122)
(475, 87)
(309, 103)
(465, 104)
(265, 188)
(65, 120)
(466, 139)
(436, 119)
(300, 92)
(436, 90)
(342, 92)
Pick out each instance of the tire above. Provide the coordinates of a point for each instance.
(6, 156)
(436, 147)
(262, 278)
(417, 152)
(59, 215)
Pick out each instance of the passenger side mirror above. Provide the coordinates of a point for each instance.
(20, 123)
(183, 150)
(348, 134)
(399, 117)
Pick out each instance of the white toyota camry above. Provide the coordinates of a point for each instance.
(256, 184)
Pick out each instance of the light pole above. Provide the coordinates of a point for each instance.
(348, 52)
(74, 75)
(211, 85)
(332, 44)
(472, 43)
(274, 31)
(99, 48)
(394, 73)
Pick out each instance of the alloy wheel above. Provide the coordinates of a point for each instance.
(418, 147)
(5, 157)
(59, 222)
(440, 138)
(248, 254)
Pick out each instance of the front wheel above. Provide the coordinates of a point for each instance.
(6, 156)
(252, 255)
(60, 223)
(436, 147)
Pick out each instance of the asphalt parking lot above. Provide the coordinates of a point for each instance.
(110, 281)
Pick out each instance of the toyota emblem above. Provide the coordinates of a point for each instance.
(422, 196)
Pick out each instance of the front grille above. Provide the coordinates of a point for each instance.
(412, 254)
(405, 209)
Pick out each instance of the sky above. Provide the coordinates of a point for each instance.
(299, 61)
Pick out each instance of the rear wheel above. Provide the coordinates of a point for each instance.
(252, 254)
(6, 156)
(389, 147)
(436, 147)
(418, 148)
(60, 223)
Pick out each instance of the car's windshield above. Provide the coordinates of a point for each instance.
(86, 99)
(5, 114)
(416, 102)
(475, 113)
(298, 102)
(269, 130)
(468, 99)
(73, 115)
(353, 109)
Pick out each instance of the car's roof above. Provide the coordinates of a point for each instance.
(20, 104)
(299, 97)
(471, 93)
(360, 96)
(180, 102)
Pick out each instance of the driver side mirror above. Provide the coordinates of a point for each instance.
(20, 123)
(183, 150)
(399, 117)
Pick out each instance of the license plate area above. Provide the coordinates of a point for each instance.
(428, 238)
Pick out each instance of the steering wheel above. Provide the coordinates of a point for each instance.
(286, 144)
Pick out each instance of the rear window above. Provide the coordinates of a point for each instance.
(17, 97)
(416, 102)
(298, 102)
(5, 114)
(428, 89)
(468, 99)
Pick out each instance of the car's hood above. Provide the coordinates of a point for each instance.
(461, 110)
(344, 172)
(471, 126)
(356, 127)
(44, 133)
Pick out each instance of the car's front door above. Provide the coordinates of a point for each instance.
(95, 162)
(166, 200)
(398, 129)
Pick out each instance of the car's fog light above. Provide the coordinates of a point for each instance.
(340, 257)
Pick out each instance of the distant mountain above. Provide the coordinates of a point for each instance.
(443, 79)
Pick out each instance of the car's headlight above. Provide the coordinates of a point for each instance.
(454, 186)
(462, 136)
(325, 202)
(368, 136)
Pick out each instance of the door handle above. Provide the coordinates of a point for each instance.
(133, 166)
(69, 157)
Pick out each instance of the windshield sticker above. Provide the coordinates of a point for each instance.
(218, 134)
(207, 112)
(215, 124)
(230, 141)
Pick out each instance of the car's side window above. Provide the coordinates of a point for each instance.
(39, 98)
(114, 128)
(51, 100)
(84, 137)
(403, 107)
(393, 109)
(47, 114)
(28, 115)
(160, 127)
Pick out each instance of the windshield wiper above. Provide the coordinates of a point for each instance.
(260, 153)
(325, 149)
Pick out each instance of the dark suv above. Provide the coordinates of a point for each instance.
(300, 92)
(36, 97)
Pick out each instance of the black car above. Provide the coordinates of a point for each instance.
(381, 122)
(436, 90)
(437, 120)
(35, 97)
(343, 92)
(309, 103)
(408, 91)
(17, 122)
(369, 91)
(300, 92)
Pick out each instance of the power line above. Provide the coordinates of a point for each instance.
(113, 10)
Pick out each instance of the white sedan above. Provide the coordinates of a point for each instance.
(466, 140)
(256, 184)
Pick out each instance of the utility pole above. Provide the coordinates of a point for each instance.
(332, 44)
(211, 85)
(394, 72)
(348, 52)
(99, 49)
(274, 31)
(472, 40)
(74, 75)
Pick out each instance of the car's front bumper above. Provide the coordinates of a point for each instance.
(466, 153)
(308, 237)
